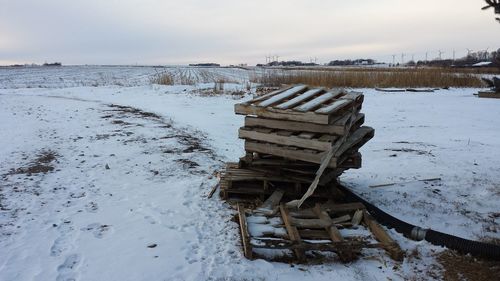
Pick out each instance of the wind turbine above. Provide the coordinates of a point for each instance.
(440, 54)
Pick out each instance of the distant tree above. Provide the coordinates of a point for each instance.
(495, 4)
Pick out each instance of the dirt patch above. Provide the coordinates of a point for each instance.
(134, 111)
(41, 164)
(460, 268)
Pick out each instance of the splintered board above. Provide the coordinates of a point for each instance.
(353, 142)
(304, 104)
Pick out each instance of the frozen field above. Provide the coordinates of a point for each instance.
(129, 164)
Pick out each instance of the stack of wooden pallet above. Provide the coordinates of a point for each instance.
(288, 133)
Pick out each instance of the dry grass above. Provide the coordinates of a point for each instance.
(165, 78)
(459, 268)
(370, 78)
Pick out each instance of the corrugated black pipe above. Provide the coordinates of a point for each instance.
(465, 246)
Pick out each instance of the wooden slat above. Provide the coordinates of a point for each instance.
(309, 223)
(282, 96)
(245, 133)
(337, 128)
(335, 106)
(245, 237)
(342, 208)
(298, 99)
(316, 102)
(334, 233)
(388, 243)
(287, 153)
(271, 204)
(360, 136)
(268, 95)
(492, 95)
(274, 113)
(293, 233)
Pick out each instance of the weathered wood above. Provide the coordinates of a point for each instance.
(337, 128)
(212, 191)
(335, 106)
(291, 140)
(297, 100)
(293, 233)
(287, 153)
(282, 96)
(491, 95)
(268, 95)
(245, 237)
(334, 233)
(270, 206)
(390, 245)
(342, 208)
(309, 223)
(317, 102)
(357, 217)
(358, 138)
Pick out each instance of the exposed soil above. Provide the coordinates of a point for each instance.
(41, 164)
(466, 268)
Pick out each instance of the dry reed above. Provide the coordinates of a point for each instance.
(370, 78)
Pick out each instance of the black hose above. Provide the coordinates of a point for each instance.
(458, 244)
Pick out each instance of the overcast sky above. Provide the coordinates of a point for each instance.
(239, 31)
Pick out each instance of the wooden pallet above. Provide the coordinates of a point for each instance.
(491, 95)
(304, 104)
(301, 139)
(339, 128)
(244, 184)
(312, 230)
(353, 142)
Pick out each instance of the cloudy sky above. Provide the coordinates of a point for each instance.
(239, 31)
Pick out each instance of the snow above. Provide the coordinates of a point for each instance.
(147, 216)
(483, 63)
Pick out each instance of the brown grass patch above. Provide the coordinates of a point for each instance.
(461, 268)
(370, 78)
(41, 164)
(165, 78)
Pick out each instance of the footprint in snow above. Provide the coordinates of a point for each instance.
(98, 230)
(67, 269)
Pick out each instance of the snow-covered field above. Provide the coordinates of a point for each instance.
(133, 162)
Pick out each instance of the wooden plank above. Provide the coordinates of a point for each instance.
(357, 139)
(298, 99)
(297, 141)
(357, 217)
(269, 112)
(492, 95)
(337, 128)
(293, 233)
(335, 106)
(268, 95)
(268, 148)
(282, 96)
(306, 135)
(316, 102)
(334, 233)
(342, 208)
(270, 206)
(360, 136)
(390, 245)
(309, 223)
(245, 237)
